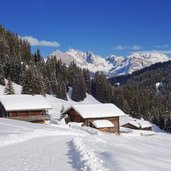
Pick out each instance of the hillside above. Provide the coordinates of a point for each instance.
(56, 103)
(146, 94)
(122, 79)
(62, 147)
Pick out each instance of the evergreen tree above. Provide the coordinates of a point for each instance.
(33, 82)
(86, 75)
(37, 56)
(76, 80)
(101, 89)
(61, 112)
(9, 87)
(2, 78)
(79, 87)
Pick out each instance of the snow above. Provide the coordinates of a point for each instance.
(83, 60)
(24, 102)
(136, 124)
(85, 129)
(102, 124)
(137, 61)
(145, 124)
(97, 110)
(139, 123)
(89, 160)
(158, 85)
(112, 65)
(17, 88)
(57, 103)
(28, 147)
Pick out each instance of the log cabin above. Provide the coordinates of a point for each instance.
(25, 107)
(104, 117)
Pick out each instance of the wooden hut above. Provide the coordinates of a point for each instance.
(103, 125)
(132, 125)
(146, 126)
(93, 115)
(25, 107)
(138, 124)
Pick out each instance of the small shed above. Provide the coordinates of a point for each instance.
(132, 125)
(145, 125)
(138, 124)
(103, 125)
(25, 107)
(95, 115)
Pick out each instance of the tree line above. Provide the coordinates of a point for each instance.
(147, 94)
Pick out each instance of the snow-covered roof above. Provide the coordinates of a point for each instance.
(135, 123)
(145, 124)
(24, 102)
(97, 110)
(139, 123)
(102, 124)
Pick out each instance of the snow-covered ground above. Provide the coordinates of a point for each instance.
(35, 147)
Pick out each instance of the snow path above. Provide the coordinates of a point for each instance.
(39, 154)
(88, 159)
(33, 147)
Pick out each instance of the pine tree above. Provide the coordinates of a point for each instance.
(61, 88)
(86, 75)
(9, 87)
(33, 82)
(37, 56)
(2, 78)
(101, 89)
(61, 112)
(79, 87)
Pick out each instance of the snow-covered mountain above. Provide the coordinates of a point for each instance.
(112, 65)
(84, 60)
(137, 61)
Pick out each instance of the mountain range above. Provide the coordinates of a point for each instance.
(112, 65)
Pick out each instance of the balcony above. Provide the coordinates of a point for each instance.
(32, 118)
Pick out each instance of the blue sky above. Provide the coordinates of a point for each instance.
(103, 26)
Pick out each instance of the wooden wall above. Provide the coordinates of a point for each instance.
(111, 130)
(37, 116)
(75, 117)
(25, 113)
(128, 125)
(147, 129)
(114, 120)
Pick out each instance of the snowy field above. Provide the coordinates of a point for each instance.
(34, 147)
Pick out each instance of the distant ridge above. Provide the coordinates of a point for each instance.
(112, 65)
